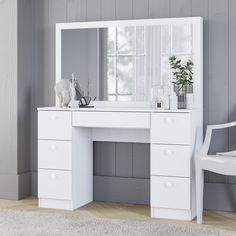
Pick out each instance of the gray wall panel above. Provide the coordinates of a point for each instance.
(218, 71)
(97, 158)
(76, 10)
(40, 78)
(108, 9)
(124, 9)
(140, 9)
(141, 160)
(124, 159)
(8, 88)
(105, 158)
(24, 70)
(220, 197)
(232, 79)
(159, 8)
(93, 10)
(57, 13)
(201, 8)
(216, 178)
(15, 90)
(180, 8)
(117, 189)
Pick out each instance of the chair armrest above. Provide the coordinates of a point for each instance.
(222, 126)
(207, 141)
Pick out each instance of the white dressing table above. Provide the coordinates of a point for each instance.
(65, 136)
(65, 154)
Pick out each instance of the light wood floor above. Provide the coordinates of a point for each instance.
(215, 219)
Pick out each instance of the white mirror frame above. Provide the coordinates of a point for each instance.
(197, 23)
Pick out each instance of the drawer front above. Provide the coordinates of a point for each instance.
(170, 160)
(171, 128)
(54, 125)
(55, 154)
(111, 119)
(170, 192)
(55, 184)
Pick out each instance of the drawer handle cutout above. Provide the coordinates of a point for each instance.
(168, 152)
(53, 117)
(168, 184)
(53, 147)
(168, 120)
(53, 177)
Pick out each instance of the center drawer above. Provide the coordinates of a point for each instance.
(54, 154)
(135, 120)
(170, 160)
(55, 184)
(170, 192)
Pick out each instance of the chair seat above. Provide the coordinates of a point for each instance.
(224, 165)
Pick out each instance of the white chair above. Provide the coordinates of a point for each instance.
(221, 164)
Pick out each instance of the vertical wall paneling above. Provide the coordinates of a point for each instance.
(57, 14)
(232, 78)
(93, 10)
(40, 78)
(16, 72)
(24, 57)
(141, 160)
(232, 66)
(180, 8)
(124, 159)
(201, 8)
(218, 74)
(124, 9)
(108, 9)
(76, 10)
(218, 70)
(8, 88)
(116, 189)
(104, 156)
(96, 158)
(140, 9)
(159, 8)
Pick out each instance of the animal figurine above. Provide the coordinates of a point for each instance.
(67, 91)
(62, 89)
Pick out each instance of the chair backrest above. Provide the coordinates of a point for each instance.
(207, 141)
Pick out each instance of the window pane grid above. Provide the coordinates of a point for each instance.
(117, 56)
(166, 53)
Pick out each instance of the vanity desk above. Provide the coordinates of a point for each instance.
(125, 65)
(65, 154)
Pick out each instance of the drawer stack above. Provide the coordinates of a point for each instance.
(55, 159)
(171, 154)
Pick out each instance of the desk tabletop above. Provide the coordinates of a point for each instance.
(115, 109)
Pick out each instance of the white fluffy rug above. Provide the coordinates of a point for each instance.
(13, 222)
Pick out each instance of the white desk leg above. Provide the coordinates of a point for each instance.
(82, 166)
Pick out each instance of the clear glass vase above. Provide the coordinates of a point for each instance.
(160, 96)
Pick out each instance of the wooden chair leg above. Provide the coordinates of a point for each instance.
(199, 193)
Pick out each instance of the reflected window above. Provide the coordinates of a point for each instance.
(176, 40)
(125, 60)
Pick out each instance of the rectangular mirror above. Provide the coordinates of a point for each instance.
(125, 60)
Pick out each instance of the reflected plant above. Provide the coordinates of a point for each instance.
(182, 72)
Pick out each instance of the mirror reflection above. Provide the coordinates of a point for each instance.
(124, 63)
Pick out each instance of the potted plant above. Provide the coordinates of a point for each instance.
(183, 79)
